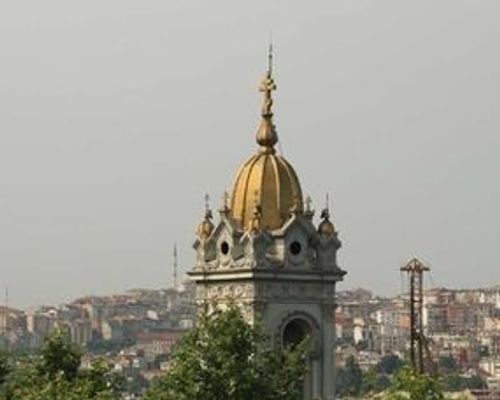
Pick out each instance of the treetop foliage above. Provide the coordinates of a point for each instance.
(225, 358)
(4, 367)
(55, 374)
(409, 383)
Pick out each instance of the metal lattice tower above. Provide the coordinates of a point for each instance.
(415, 270)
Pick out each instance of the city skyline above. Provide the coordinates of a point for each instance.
(115, 123)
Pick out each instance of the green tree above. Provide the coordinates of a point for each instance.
(5, 370)
(59, 356)
(457, 383)
(225, 358)
(99, 380)
(476, 382)
(349, 378)
(389, 364)
(447, 364)
(4, 367)
(55, 375)
(410, 384)
(374, 382)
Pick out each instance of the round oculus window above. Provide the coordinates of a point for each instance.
(295, 248)
(224, 248)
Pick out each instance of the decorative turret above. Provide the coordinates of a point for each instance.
(206, 227)
(326, 227)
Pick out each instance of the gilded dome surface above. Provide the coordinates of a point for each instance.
(266, 185)
(266, 181)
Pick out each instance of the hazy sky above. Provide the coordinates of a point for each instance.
(116, 116)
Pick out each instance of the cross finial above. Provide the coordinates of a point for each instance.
(267, 86)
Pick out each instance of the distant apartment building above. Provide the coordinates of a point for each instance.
(344, 326)
(80, 331)
(4, 319)
(394, 320)
(435, 318)
(154, 344)
(112, 330)
(491, 296)
(11, 319)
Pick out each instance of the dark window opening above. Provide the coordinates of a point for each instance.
(224, 248)
(295, 332)
(295, 248)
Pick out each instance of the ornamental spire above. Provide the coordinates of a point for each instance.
(326, 227)
(325, 214)
(206, 227)
(266, 135)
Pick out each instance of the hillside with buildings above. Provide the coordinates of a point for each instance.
(136, 331)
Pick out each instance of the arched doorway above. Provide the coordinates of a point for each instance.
(296, 329)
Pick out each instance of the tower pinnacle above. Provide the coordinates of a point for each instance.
(266, 134)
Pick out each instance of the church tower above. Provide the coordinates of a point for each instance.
(266, 254)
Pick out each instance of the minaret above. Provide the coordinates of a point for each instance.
(266, 255)
(176, 266)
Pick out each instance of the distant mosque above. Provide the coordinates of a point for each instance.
(266, 254)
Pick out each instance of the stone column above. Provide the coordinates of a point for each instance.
(316, 377)
(328, 352)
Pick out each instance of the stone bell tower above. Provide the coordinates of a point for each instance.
(266, 254)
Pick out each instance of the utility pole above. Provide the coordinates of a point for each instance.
(415, 270)
(5, 317)
(6, 304)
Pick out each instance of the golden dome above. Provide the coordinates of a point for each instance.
(266, 185)
(267, 181)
